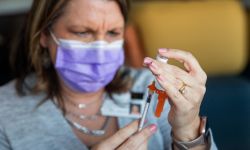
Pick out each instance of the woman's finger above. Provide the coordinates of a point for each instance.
(178, 100)
(182, 75)
(121, 136)
(190, 62)
(157, 68)
(167, 84)
(194, 95)
(143, 146)
(136, 141)
(176, 77)
(173, 73)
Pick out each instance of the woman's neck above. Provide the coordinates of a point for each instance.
(95, 99)
(84, 98)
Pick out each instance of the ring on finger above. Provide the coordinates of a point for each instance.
(182, 89)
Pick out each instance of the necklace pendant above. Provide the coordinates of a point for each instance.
(97, 132)
(81, 106)
(82, 117)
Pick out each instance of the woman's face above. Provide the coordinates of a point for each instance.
(86, 20)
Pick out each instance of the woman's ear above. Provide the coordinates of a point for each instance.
(44, 40)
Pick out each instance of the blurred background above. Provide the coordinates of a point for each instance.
(215, 31)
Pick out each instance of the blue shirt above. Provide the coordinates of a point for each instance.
(24, 126)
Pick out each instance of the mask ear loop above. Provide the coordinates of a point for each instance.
(54, 37)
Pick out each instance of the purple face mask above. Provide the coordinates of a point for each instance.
(88, 67)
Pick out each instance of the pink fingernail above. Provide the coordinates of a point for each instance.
(147, 60)
(153, 128)
(163, 50)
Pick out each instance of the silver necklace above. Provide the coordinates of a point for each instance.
(88, 131)
(82, 128)
(85, 117)
(81, 105)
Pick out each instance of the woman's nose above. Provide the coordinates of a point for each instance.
(100, 37)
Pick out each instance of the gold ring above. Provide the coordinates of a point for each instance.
(182, 89)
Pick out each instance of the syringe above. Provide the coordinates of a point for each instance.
(151, 89)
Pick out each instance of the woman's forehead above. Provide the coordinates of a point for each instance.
(93, 12)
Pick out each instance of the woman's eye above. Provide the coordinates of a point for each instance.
(113, 33)
(83, 34)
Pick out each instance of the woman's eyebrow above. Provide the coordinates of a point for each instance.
(80, 26)
(91, 28)
(117, 28)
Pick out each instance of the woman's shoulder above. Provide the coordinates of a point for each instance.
(9, 93)
(7, 90)
(8, 101)
(14, 104)
(8, 97)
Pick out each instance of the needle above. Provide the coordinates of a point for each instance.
(150, 93)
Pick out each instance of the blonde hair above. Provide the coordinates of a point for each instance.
(28, 56)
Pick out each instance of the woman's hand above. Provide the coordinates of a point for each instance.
(128, 138)
(185, 88)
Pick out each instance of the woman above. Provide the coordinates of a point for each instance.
(72, 60)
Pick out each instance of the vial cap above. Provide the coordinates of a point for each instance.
(162, 59)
